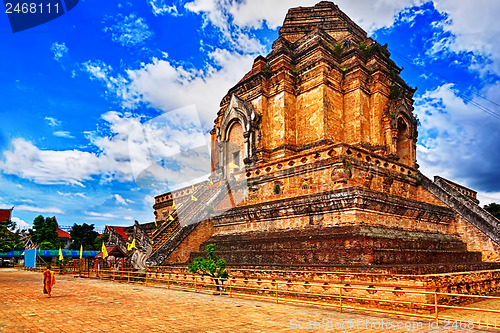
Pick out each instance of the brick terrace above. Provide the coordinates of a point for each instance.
(82, 305)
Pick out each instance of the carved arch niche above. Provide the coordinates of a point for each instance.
(401, 132)
(236, 136)
(403, 141)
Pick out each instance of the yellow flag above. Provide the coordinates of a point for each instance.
(22, 254)
(133, 244)
(60, 254)
(81, 251)
(170, 218)
(156, 224)
(104, 251)
(211, 182)
(173, 204)
(234, 166)
(193, 198)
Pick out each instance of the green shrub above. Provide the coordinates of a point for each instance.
(394, 91)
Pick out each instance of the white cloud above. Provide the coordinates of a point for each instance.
(474, 26)
(60, 50)
(217, 12)
(408, 15)
(63, 134)
(119, 199)
(53, 121)
(128, 30)
(168, 87)
(149, 200)
(79, 194)
(159, 7)
(116, 85)
(20, 224)
(48, 166)
(457, 140)
(39, 209)
(98, 216)
(485, 198)
(162, 139)
(369, 14)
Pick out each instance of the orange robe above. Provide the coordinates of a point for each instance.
(48, 281)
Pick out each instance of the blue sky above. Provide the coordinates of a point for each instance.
(87, 98)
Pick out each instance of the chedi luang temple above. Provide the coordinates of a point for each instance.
(314, 170)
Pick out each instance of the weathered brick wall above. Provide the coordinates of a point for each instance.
(190, 244)
(338, 207)
(307, 92)
(316, 170)
(475, 239)
(236, 137)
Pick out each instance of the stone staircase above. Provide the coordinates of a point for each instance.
(186, 217)
(464, 206)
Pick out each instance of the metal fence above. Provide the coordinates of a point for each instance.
(282, 292)
(329, 295)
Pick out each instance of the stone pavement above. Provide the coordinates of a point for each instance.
(83, 305)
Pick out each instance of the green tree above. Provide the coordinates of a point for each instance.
(46, 246)
(83, 235)
(10, 239)
(99, 240)
(211, 266)
(494, 209)
(44, 231)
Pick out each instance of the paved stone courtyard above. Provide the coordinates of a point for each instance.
(83, 305)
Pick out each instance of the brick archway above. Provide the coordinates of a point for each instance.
(238, 127)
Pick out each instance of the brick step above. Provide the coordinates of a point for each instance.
(401, 256)
(356, 244)
(332, 243)
(337, 237)
(346, 256)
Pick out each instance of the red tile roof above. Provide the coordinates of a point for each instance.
(112, 251)
(63, 234)
(119, 230)
(5, 214)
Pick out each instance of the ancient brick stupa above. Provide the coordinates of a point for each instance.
(323, 132)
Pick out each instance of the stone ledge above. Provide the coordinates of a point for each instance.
(334, 202)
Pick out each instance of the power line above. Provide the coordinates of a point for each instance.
(465, 97)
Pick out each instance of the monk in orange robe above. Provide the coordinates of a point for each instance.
(48, 280)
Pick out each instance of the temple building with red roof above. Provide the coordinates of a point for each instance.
(117, 236)
(5, 214)
(64, 237)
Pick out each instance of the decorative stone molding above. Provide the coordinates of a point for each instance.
(242, 112)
